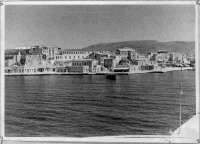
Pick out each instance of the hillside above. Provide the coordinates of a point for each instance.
(141, 47)
(147, 46)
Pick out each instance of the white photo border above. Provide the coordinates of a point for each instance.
(134, 138)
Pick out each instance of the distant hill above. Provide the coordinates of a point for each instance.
(141, 47)
(146, 46)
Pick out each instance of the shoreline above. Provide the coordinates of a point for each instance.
(102, 73)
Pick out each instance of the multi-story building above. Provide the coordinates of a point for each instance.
(145, 62)
(71, 54)
(162, 56)
(85, 62)
(99, 57)
(127, 53)
(175, 58)
(59, 57)
(109, 63)
(35, 50)
(50, 52)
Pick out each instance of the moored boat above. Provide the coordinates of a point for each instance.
(111, 76)
(158, 71)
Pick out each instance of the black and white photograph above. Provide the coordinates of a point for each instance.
(119, 73)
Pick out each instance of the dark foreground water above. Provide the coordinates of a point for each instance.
(91, 105)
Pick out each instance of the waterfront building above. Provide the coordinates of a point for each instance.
(185, 60)
(122, 66)
(9, 62)
(141, 62)
(41, 64)
(162, 57)
(78, 69)
(191, 60)
(59, 57)
(35, 50)
(16, 69)
(99, 57)
(109, 63)
(61, 69)
(175, 58)
(13, 60)
(112, 61)
(145, 64)
(73, 54)
(67, 63)
(127, 53)
(31, 70)
(85, 62)
(134, 68)
(50, 52)
(152, 56)
(97, 68)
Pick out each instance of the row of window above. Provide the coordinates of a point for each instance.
(58, 57)
(70, 57)
(143, 63)
(80, 63)
(48, 52)
(74, 52)
(24, 70)
(27, 70)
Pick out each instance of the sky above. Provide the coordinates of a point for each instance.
(75, 27)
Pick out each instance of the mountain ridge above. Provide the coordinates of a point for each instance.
(145, 46)
(141, 46)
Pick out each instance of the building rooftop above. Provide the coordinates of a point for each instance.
(22, 48)
(126, 49)
(82, 60)
(74, 50)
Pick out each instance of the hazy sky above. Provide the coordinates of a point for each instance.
(72, 27)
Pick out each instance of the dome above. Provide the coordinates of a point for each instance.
(124, 61)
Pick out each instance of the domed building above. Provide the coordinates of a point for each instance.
(124, 61)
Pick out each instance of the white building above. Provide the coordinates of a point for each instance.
(50, 52)
(74, 54)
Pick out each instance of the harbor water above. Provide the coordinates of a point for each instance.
(91, 105)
